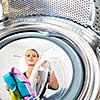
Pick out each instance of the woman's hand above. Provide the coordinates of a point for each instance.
(53, 83)
(7, 88)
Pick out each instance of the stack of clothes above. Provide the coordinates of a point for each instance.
(19, 85)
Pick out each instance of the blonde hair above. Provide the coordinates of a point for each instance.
(36, 52)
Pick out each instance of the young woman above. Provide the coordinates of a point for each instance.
(31, 58)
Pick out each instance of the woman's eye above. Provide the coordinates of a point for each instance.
(28, 55)
(34, 56)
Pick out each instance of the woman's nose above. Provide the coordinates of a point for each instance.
(31, 56)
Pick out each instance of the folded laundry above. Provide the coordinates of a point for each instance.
(19, 84)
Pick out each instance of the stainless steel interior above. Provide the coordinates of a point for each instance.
(65, 8)
(85, 12)
(96, 23)
(73, 25)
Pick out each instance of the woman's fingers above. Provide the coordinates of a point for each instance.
(7, 88)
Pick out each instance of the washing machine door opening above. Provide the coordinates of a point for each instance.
(70, 61)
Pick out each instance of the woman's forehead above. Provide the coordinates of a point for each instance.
(30, 51)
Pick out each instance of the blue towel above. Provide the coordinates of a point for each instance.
(10, 80)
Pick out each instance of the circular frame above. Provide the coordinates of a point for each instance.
(46, 29)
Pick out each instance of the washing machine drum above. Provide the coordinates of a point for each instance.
(50, 27)
(71, 57)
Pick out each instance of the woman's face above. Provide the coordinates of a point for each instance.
(31, 58)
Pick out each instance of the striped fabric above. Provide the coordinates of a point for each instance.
(19, 84)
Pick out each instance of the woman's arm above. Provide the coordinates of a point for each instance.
(53, 83)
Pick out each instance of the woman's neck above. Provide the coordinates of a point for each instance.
(29, 71)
